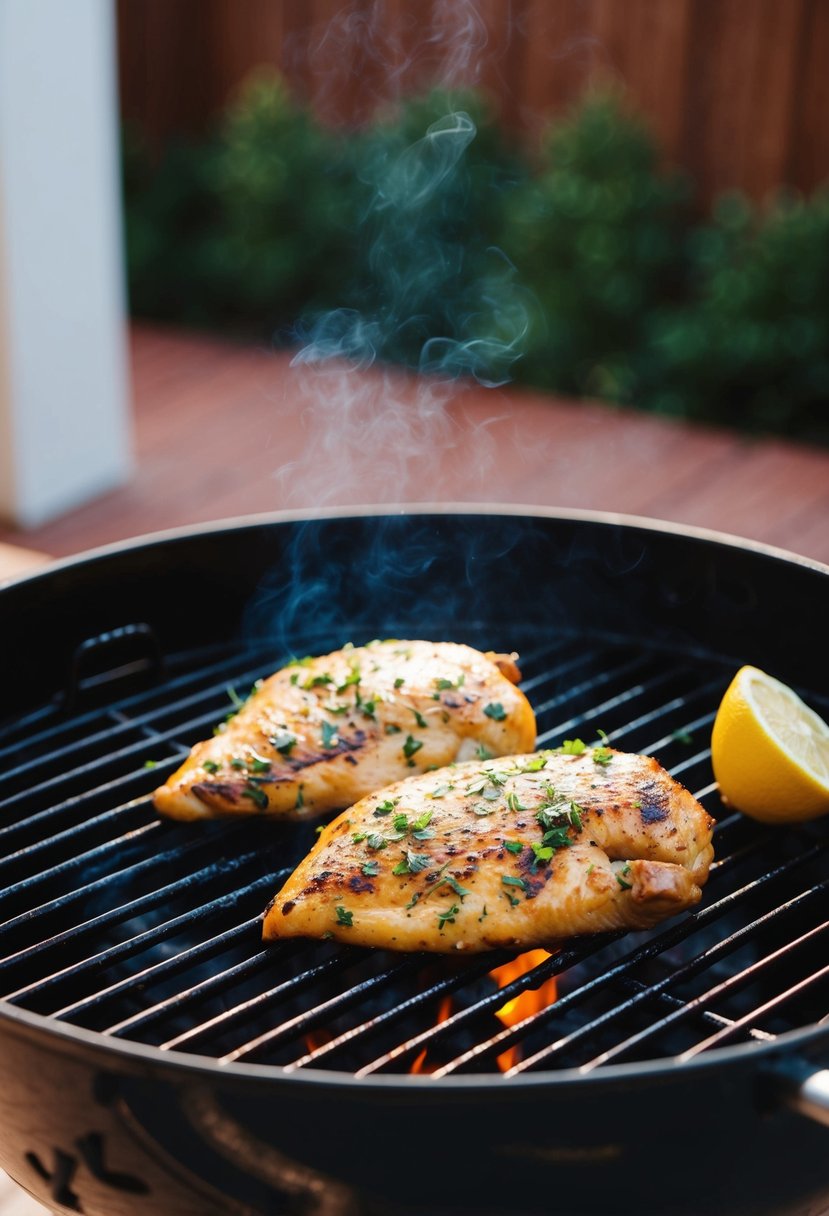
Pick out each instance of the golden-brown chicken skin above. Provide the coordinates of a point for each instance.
(515, 852)
(323, 732)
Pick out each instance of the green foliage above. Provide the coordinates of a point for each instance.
(749, 345)
(596, 236)
(429, 240)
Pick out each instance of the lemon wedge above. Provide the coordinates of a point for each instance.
(770, 751)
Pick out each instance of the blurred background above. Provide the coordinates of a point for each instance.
(258, 254)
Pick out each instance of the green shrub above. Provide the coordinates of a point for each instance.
(596, 237)
(749, 347)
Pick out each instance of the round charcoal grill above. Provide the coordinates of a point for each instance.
(155, 1057)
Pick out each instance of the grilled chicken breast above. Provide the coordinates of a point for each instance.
(516, 852)
(323, 732)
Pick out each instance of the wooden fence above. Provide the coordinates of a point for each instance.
(737, 91)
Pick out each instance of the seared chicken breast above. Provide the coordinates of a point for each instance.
(516, 852)
(323, 732)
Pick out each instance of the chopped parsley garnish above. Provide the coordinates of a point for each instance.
(353, 678)
(371, 869)
(482, 752)
(421, 721)
(399, 682)
(602, 755)
(484, 913)
(318, 681)
(236, 762)
(329, 735)
(385, 808)
(682, 736)
(443, 685)
(234, 697)
(391, 729)
(257, 794)
(210, 766)
(344, 917)
(411, 746)
(258, 764)
(536, 764)
(543, 852)
(440, 790)
(358, 837)
(572, 747)
(300, 798)
(375, 841)
(153, 763)
(513, 846)
(448, 917)
(412, 863)
(496, 711)
(400, 823)
(283, 741)
(514, 802)
(556, 838)
(626, 886)
(413, 900)
(449, 881)
(480, 809)
(509, 881)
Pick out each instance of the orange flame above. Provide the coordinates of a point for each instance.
(533, 1000)
(419, 1064)
(317, 1038)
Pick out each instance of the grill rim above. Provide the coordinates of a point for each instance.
(41, 1028)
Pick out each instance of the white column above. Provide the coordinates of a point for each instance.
(65, 432)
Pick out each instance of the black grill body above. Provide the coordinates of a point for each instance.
(154, 1058)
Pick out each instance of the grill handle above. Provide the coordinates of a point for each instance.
(127, 658)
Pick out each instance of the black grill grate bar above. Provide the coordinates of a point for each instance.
(593, 713)
(89, 773)
(755, 1015)
(661, 712)
(707, 1015)
(551, 966)
(147, 976)
(78, 724)
(606, 675)
(551, 674)
(333, 965)
(63, 903)
(335, 1005)
(135, 944)
(211, 986)
(696, 1005)
(121, 819)
(654, 946)
(474, 971)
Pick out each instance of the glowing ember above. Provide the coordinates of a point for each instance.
(317, 1038)
(419, 1064)
(524, 1005)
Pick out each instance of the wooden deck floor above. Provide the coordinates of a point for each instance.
(223, 430)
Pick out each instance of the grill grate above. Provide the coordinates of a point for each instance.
(149, 931)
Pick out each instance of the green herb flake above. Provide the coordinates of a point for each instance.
(391, 729)
(483, 915)
(235, 762)
(344, 917)
(448, 917)
(283, 741)
(358, 837)
(621, 878)
(375, 841)
(386, 807)
(411, 746)
(496, 711)
(317, 681)
(440, 790)
(210, 766)
(256, 794)
(514, 802)
(572, 747)
(482, 752)
(329, 735)
(300, 798)
(682, 736)
(602, 755)
(414, 899)
(509, 881)
(542, 852)
(399, 682)
(481, 809)
(371, 869)
(421, 721)
(513, 846)
(351, 679)
(412, 863)
(153, 763)
(258, 764)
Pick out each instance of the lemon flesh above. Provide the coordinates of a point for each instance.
(770, 751)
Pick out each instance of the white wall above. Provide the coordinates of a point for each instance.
(64, 408)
